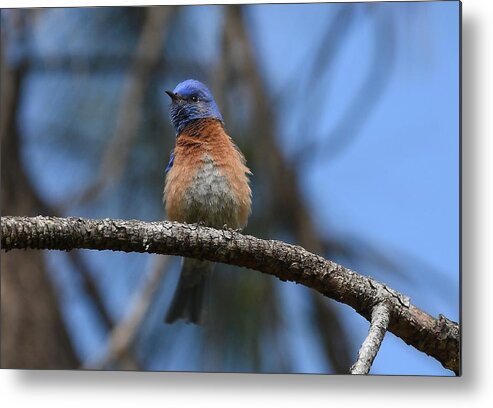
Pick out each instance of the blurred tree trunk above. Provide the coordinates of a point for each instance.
(32, 332)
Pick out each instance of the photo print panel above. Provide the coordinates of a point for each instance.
(262, 188)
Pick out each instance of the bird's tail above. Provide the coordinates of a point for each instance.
(187, 303)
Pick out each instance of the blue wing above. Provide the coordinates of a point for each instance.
(171, 161)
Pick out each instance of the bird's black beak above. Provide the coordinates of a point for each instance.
(172, 95)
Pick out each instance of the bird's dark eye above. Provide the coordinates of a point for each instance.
(194, 98)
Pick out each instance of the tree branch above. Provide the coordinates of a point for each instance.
(438, 338)
(369, 349)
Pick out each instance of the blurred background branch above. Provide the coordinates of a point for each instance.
(33, 335)
(123, 335)
(286, 195)
(351, 122)
(148, 54)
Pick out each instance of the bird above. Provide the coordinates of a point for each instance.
(207, 182)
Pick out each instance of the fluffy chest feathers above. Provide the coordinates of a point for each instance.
(208, 181)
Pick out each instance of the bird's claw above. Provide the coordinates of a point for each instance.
(227, 228)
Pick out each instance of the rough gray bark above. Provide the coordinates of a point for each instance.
(438, 338)
(369, 349)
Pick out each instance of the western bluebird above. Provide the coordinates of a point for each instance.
(206, 183)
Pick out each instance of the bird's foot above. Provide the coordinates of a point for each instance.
(227, 228)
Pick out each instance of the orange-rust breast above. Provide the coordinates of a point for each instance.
(208, 181)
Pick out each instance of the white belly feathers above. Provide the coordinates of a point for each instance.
(210, 199)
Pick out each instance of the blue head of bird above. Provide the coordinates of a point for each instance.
(191, 100)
